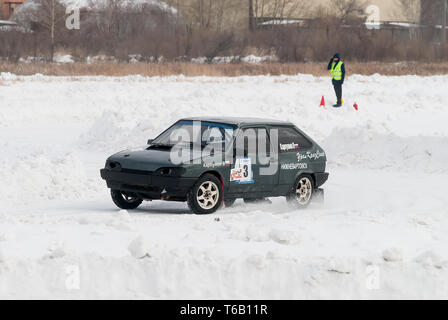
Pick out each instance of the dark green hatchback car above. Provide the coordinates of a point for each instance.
(208, 162)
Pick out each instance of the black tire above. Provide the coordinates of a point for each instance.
(229, 202)
(124, 201)
(301, 194)
(201, 202)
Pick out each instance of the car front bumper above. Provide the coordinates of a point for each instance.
(147, 185)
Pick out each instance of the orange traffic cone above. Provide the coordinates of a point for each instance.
(356, 106)
(322, 102)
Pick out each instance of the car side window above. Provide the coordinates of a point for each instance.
(254, 134)
(292, 140)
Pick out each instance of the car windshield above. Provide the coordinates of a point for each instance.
(183, 132)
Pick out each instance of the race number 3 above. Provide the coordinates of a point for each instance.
(242, 173)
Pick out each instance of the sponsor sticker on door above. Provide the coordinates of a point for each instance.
(242, 173)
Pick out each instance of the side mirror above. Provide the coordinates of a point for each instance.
(150, 141)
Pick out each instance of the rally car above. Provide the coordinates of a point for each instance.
(208, 162)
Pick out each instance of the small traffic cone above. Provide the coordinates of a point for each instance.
(322, 102)
(356, 106)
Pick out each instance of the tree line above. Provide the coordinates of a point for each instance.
(187, 29)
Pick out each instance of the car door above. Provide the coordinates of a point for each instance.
(292, 148)
(250, 170)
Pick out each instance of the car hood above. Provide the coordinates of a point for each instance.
(144, 159)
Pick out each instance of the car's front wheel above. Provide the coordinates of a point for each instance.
(302, 193)
(206, 195)
(125, 201)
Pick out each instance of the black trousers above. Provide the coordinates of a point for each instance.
(338, 90)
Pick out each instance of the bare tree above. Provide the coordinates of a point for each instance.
(212, 15)
(444, 13)
(349, 9)
(50, 17)
(281, 9)
(251, 16)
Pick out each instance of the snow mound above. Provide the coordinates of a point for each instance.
(138, 248)
(100, 58)
(2, 255)
(199, 60)
(111, 131)
(199, 274)
(117, 130)
(7, 76)
(393, 255)
(367, 148)
(251, 59)
(431, 259)
(57, 250)
(226, 60)
(37, 177)
(342, 265)
(257, 233)
(286, 237)
(123, 213)
(64, 59)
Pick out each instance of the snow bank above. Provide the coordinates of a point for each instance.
(199, 60)
(226, 60)
(198, 274)
(100, 58)
(36, 177)
(252, 59)
(64, 59)
(138, 248)
(366, 148)
(256, 60)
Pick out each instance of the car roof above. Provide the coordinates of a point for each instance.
(239, 121)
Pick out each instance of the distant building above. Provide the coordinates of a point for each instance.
(8, 7)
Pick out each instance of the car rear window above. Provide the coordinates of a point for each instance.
(291, 140)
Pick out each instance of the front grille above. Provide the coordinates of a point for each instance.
(141, 172)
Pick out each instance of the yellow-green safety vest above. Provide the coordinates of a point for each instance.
(336, 71)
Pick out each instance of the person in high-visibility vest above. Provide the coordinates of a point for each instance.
(337, 73)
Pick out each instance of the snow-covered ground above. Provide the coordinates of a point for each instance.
(382, 232)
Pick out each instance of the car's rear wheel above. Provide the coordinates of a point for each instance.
(302, 193)
(206, 195)
(125, 201)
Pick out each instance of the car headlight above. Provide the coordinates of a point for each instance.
(170, 172)
(112, 165)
